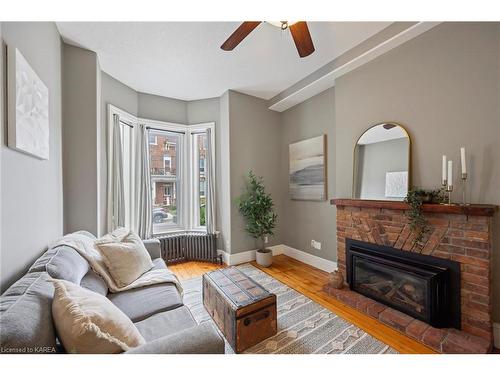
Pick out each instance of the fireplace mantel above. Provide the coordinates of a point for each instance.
(468, 210)
(459, 233)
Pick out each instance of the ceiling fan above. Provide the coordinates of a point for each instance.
(299, 30)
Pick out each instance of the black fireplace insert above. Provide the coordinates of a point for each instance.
(423, 286)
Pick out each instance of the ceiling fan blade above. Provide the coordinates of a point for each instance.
(239, 34)
(302, 38)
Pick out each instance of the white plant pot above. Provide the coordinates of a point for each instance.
(264, 257)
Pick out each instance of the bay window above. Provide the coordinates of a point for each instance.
(178, 172)
(178, 176)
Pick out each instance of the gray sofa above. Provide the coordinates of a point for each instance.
(158, 311)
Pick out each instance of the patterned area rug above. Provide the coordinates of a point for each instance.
(304, 327)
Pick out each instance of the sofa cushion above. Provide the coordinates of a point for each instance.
(141, 303)
(202, 339)
(41, 262)
(166, 323)
(153, 247)
(159, 263)
(63, 263)
(89, 323)
(124, 255)
(92, 281)
(26, 323)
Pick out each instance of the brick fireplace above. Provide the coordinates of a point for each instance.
(458, 233)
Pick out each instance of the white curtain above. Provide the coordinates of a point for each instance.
(116, 193)
(143, 204)
(210, 214)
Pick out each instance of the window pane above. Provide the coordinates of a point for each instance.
(152, 139)
(164, 152)
(201, 145)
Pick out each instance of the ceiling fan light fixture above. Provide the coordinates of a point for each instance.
(283, 25)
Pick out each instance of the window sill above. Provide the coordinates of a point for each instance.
(174, 232)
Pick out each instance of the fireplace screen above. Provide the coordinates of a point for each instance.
(423, 286)
(392, 286)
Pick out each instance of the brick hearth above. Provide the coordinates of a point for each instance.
(462, 234)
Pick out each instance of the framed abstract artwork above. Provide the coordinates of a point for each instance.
(28, 107)
(307, 173)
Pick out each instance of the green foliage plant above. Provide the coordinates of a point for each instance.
(257, 208)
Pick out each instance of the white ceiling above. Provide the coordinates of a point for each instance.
(183, 59)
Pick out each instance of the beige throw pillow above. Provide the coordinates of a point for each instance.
(87, 322)
(124, 255)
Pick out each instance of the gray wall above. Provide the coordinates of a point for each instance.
(116, 93)
(2, 122)
(31, 189)
(444, 87)
(255, 136)
(160, 108)
(205, 110)
(224, 175)
(81, 76)
(303, 221)
(375, 160)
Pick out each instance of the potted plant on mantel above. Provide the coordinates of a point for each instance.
(256, 207)
(418, 223)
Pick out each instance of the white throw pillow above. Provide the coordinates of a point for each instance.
(87, 322)
(124, 255)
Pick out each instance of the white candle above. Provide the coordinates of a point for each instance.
(450, 173)
(462, 159)
(443, 174)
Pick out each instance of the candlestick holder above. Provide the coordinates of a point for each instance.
(444, 184)
(449, 189)
(464, 190)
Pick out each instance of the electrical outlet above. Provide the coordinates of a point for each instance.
(316, 245)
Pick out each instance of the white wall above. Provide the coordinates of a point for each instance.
(31, 189)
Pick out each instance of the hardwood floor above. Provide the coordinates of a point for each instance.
(309, 281)
(188, 270)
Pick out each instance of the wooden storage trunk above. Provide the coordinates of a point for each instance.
(243, 310)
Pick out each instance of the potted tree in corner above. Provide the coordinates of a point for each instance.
(256, 207)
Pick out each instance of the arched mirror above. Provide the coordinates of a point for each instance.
(382, 163)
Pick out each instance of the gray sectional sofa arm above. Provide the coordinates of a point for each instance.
(153, 247)
(201, 339)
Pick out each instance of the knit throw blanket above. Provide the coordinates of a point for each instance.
(85, 246)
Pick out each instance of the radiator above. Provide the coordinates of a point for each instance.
(189, 246)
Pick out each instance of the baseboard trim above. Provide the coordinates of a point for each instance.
(302, 256)
(246, 256)
(496, 335)
(313, 260)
